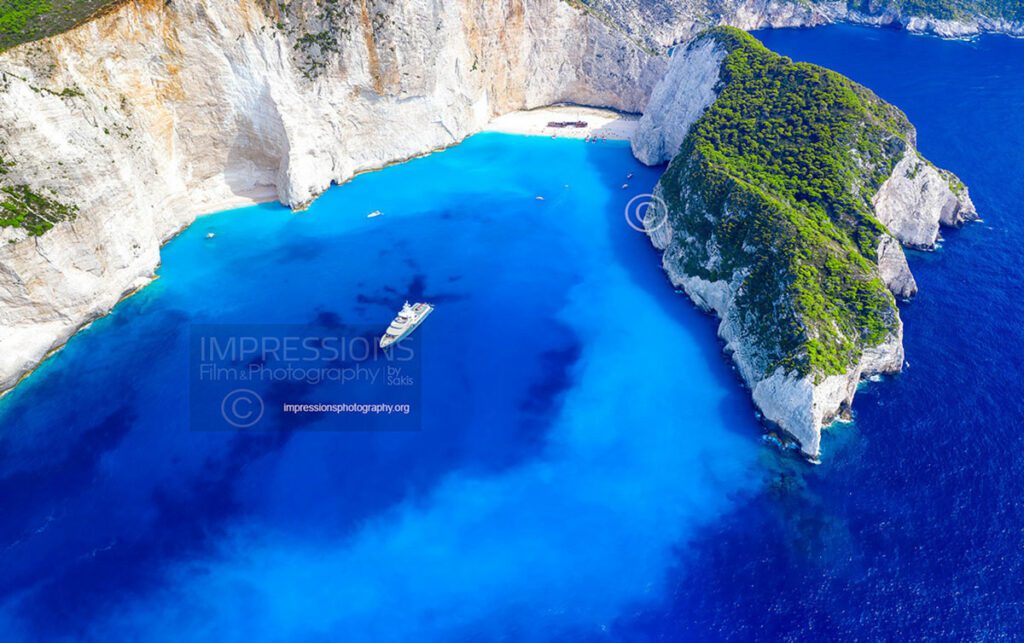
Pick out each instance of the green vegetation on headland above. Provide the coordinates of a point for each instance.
(26, 20)
(774, 183)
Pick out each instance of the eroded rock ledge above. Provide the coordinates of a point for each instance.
(789, 191)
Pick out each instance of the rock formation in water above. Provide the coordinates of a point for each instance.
(788, 188)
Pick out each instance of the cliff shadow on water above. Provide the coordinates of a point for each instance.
(642, 262)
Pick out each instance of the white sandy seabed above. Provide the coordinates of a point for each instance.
(603, 124)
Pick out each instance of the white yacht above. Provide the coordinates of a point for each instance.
(409, 318)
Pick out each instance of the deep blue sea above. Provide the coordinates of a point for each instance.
(585, 466)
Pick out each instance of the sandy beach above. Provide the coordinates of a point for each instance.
(601, 123)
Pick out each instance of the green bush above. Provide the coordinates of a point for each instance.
(15, 14)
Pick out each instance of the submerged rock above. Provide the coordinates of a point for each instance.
(788, 189)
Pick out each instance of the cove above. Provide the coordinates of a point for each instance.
(580, 426)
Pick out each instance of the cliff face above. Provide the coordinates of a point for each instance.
(917, 198)
(657, 23)
(771, 215)
(156, 112)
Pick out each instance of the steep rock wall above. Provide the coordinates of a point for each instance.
(917, 198)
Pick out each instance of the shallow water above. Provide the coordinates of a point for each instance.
(579, 423)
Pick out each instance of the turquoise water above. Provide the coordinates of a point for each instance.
(579, 424)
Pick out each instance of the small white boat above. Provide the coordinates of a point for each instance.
(408, 319)
(625, 186)
(375, 213)
(629, 176)
(540, 198)
(210, 235)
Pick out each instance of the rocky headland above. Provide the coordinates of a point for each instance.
(789, 191)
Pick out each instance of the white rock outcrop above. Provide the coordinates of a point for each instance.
(916, 198)
(157, 112)
(893, 268)
(686, 92)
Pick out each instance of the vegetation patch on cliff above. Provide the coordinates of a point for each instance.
(23, 207)
(26, 20)
(773, 187)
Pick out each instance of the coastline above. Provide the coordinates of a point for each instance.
(603, 124)
(208, 206)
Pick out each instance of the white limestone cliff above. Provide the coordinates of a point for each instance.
(912, 203)
(679, 100)
(157, 112)
(966, 27)
(893, 268)
(917, 198)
